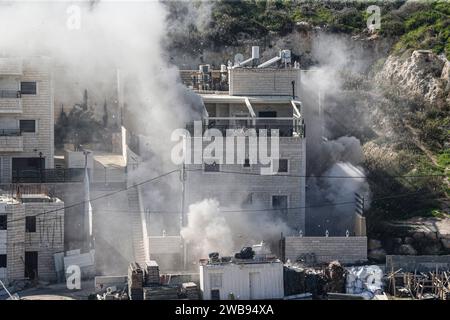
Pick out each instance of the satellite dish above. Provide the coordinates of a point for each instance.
(238, 58)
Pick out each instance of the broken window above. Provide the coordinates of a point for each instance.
(3, 261)
(215, 280)
(28, 87)
(3, 222)
(30, 224)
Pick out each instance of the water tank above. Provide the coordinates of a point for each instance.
(255, 52)
(286, 56)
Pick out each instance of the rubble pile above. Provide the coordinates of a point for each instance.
(190, 290)
(366, 281)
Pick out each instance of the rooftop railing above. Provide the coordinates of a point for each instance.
(48, 175)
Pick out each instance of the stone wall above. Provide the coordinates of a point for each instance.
(252, 81)
(326, 249)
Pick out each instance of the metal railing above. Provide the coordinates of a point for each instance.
(10, 132)
(285, 127)
(10, 94)
(48, 175)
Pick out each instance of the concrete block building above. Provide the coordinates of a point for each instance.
(258, 98)
(28, 237)
(26, 117)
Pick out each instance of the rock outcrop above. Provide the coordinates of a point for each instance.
(424, 74)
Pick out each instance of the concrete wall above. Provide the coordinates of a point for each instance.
(326, 249)
(252, 81)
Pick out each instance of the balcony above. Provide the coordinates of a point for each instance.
(48, 175)
(287, 127)
(10, 101)
(11, 140)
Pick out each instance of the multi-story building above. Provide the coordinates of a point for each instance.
(26, 117)
(259, 97)
(31, 232)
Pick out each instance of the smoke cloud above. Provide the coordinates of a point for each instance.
(212, 228)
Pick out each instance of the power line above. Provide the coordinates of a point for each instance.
(277, 209)
(101, 196)
(313, 176)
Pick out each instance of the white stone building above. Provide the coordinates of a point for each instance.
(28, 237)
(26, 117)
(258, 98)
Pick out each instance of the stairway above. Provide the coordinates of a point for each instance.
(136, 225)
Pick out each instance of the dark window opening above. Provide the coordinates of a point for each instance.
(282, 165)
(3, 222)
(28, 125)
(213, 167)
(247, 163)
(215, 294)
(3, 261)
(281, 203)
(267, 114)
(31, 264)
(30, 224)
(28, 87)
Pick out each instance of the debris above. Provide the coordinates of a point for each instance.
(190, 290)
(365, 280)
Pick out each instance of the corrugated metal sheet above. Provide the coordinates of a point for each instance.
(245, 281)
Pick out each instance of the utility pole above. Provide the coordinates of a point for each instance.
(183, 219)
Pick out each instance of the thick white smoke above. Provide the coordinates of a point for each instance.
(226, 230)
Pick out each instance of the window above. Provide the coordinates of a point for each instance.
(3, 222)
(3, 261)
(213, 167)
(247, 163)
(215, 294)
(283, 165)
(267, 114)
(280, 202)
(215, 280)
(28, 125)
(28, 87)
(30, 224)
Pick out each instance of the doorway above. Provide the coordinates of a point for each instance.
(31, 264)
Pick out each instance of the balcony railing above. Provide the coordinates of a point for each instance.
(10, 132)
(287, 127)
(48, 175)
(10, 94)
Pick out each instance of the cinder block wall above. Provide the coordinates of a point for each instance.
(326, 249)
(15, 241)
(246, 81)
(49, 236)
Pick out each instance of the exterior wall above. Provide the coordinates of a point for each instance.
(268, 282)
(37, 107)
(15, 242)
(252, 81)
(326, 249)
(231, 189)
(47, 240)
